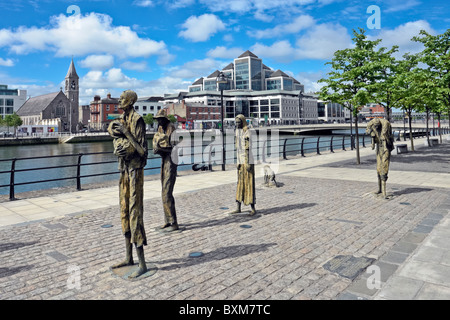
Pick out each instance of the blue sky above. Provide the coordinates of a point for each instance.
(156, 47)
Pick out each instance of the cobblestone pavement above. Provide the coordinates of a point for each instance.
(281, 253)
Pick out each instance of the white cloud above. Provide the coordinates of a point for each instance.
(6, 62)
(281, 51)
(143, 3)
(255, 6)
(225, 53)
(402, 36)
(98, 62)
(137, 66)
(194, 69)
(201, 28)
(300, 23)
(318, 43)
(310, 80)
(322, 41)
(402, 5)
(81, 35)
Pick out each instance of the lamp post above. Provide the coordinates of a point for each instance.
(222, 79)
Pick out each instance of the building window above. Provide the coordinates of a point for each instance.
(116, 108)
(287, 84)
(152, 108)
(1, 102)
(242, 74)
(60, 110)
(9, 102)
(273, 84)
(210, 85)
(144, 108)
(136, 108)
(107, 107)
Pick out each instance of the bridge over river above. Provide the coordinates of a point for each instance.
(319, 129)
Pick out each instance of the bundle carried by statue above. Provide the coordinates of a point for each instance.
(120, 141)
(161, 142)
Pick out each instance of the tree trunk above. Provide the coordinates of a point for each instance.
(428, 134)
(439, 126)
(351, 128)
(358, 159)
(410, 129)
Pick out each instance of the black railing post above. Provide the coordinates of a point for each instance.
(343, 142)
(404, 135)
(303, 151)
(79, 172)
(11, 180)
(284, 149)
(318, 150)
(364, 140)
(331, 144)
(209, 158)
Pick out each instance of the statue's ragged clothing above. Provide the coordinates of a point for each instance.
(383, 140)
(245, 191)
(162, 145)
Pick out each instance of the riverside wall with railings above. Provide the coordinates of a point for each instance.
(200, 159)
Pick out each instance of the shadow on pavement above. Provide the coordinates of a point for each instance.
(218, 254)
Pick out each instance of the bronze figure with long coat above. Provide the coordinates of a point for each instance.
(245, 191)
(383, 142)
(162, 145)
(130, 145)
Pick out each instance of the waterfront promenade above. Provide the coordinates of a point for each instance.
(314, 237)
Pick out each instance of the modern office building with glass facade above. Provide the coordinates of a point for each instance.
(251, 89)
(11, 100)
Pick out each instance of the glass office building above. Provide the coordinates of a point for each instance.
(252, 89)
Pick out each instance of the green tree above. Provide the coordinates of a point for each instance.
(352, 76)
(172, 118)
(13, 120)
(436, 57)
(386, 68)
(406, 88)
(148, 119)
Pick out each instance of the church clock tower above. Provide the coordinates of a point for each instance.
(72, 92)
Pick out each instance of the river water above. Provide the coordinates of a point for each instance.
(199, 151)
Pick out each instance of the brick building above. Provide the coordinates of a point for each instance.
(103, 111)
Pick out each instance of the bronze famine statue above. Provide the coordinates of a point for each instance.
(130, 145)
(162, 145)
(383, 140)
(245, 191)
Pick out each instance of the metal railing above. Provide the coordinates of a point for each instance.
(288, 147)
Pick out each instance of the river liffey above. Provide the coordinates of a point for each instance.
(59, 161)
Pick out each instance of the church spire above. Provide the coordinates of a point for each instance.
(72, 73)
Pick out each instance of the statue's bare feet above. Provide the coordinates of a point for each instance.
(126, 262)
